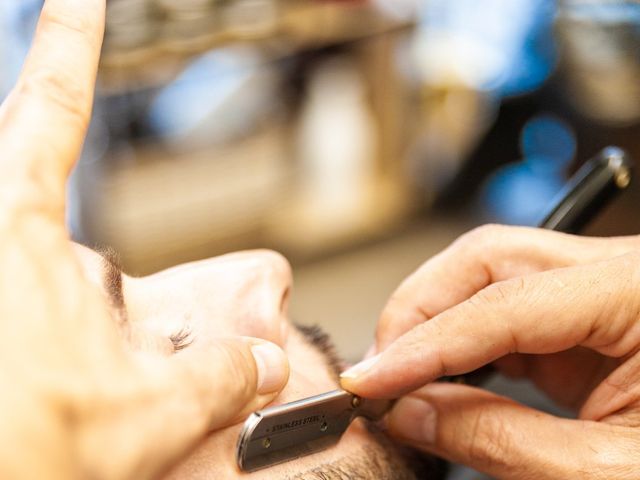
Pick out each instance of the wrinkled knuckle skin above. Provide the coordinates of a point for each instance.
(487, 445)
(76, 22)
(59, 89)
(30, 192)
(504, 292)
(488, 297)
(496, 293)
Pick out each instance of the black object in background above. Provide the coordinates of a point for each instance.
(590, 190)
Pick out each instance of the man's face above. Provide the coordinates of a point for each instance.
(242, 294)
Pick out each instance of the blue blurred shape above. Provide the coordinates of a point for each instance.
(613, 12)
(520, 193)
(502, 46)
(547, 144)
(204, 85)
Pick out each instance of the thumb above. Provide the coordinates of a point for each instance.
(507, 440)
(169, 404)
(229, 378)
(200, 389)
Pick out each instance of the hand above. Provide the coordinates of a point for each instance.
(559, 309)
(76, 401)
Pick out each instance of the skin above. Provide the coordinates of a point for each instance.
(560, 310)
(240, 294)
(84, 380)
(74, 387)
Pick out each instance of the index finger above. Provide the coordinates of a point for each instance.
(44, 120)
(486, 255)
(595, 306)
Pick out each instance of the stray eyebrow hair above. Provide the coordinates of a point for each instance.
(323, 343)
(181, 339)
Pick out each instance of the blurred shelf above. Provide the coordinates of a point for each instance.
(290, 28)
(159, 211)
(240, 177)
(306, 230)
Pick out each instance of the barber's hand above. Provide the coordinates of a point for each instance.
(76, 402)
(561, 310)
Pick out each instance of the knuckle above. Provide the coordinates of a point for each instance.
(488, 444)
(59, 89)
(500, 293)
(24, 214)
(495, 293)
(500, 302)
(616, 287)
(486, 298)
(482, 235)
(77, 23)
(29, 192)
(481, 242)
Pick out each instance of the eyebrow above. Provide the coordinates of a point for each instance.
(112, 278)
(321, 341)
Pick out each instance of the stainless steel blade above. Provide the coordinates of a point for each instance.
(285, 432)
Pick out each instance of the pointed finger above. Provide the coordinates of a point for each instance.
(44, 121)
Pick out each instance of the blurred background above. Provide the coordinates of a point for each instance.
(358, 138)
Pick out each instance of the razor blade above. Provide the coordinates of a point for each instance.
(286, 432)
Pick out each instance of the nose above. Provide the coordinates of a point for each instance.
(268, 286)
(244, 293)
(277, 275)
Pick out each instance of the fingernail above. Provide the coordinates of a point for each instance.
(414, 419)
(360, 368)
(273, 369)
